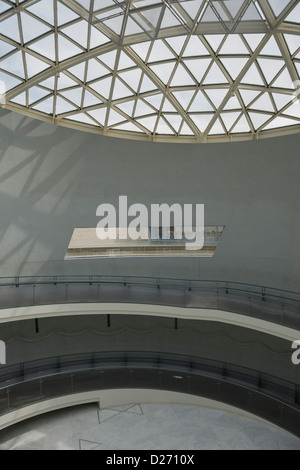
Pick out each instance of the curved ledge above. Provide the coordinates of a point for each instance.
(59, 310)
(120, 397)
(187, 296)
(48, 392)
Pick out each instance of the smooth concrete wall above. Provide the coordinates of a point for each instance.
(52, 179)
(90, 333)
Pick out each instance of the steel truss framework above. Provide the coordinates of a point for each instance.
(162, 70)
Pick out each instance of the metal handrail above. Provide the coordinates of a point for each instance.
(264, 291)
(41, 368)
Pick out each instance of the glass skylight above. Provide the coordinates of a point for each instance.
(161, 70)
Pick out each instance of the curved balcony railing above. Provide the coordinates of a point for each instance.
(262, 394)
(278, 306)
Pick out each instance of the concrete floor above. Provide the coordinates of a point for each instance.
(146, 426)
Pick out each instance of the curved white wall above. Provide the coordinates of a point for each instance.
(52, 179)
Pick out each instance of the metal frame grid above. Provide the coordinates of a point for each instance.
(158, 70)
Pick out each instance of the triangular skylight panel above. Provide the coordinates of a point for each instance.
(8, 82)
(293, 17)
(114, 117)
(214, 76)
(184, 97)
(90, 99)
(160, 52)
(270, 68)
(181, 77)
(64, 81)
(200, 104)
(209, 16)
(95, 70)
(281, 122)
(241, 126)
(198, 67)
(102, 87)
(115, 24)
(152, 17)
(43, 9)
(155, 100)
(214, 41)
(259, 119)
(99, 114)
(45, 47)
(232, 103)
(175, 120)
(125, 62)
(191, 7)
(120, 90)
(45, 106)
(10, 28)
(14, 64)
(284, 80)
(201, 120)
(252, 77)
(233, 45)
(31, 27)
(131, 78)
(147, 84)
(64, 14)
(82, 118)
(4, 7)
(293, 42)
(281, 99)
(234, 65)
(141, 49)
(254, 40)
(78, 32)
(148, 122)
(186, 130)
(195, 47)
(271, 48)
(278, 6)
(293, 110)
(163, 71)
(78, 70)
(264, 103)
(142, 109)
(63, 106)
(167, 106)
(36, 93)
(108, 59)
(177, 43)
(66, 48)
(217, 128)
(34, 65)
(251, 13)
(48, 83)
(132, 27)
(97, 38)
(229, 119)
(249, 95)
(20, 99)
(74, 95)
(126, 107)
(216, 95)
(5, 48)
(163, 127)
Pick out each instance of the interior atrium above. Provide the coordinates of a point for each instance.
(177, 103)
